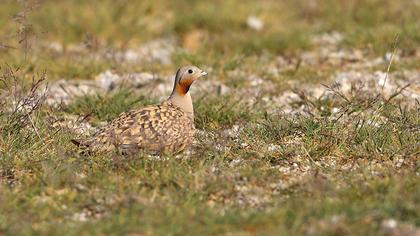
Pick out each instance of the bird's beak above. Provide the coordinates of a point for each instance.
(203, 73)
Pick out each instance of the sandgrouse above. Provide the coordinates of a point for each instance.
(167, 127)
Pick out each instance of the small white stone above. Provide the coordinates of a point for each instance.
(390, 223)
(391, 55)
(131, 56)
(255, 81)
(332, 38)
(235, 162)
(107, 80)
(284, 169)
(381, 82)
(222, 89)
(81, 217)
(158, 50)
(56, 46)
(233, 132)
(140, 79)
(399, 162)
(255, 23)
(273, 147)
(219, 147)
(335, 110)
(154, 157)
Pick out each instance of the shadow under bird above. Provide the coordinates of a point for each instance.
(167, 127)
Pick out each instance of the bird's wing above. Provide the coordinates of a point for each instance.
(147, 128)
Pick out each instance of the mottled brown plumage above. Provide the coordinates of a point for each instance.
(167, 127)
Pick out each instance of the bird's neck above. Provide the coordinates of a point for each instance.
(183, 101)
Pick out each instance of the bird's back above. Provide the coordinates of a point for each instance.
(158, 128)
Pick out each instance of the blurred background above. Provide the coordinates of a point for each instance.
(215, 33)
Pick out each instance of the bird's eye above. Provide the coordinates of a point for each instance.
(190, 71)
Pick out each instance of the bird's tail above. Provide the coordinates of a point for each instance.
(76, 142)
(83, 145)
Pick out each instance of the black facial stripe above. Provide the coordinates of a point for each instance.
(177, 76)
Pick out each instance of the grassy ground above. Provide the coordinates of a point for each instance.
(346, 163)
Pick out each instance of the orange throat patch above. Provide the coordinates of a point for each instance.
(183, 87)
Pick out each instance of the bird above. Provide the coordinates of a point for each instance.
(167, 127)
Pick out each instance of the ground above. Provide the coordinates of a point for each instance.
(308, 123)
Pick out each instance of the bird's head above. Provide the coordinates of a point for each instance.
(185, 76)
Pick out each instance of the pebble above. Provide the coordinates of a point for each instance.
(332, 38)
(255, 23)
(107, 80)
(273, 147)
(63, 91)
